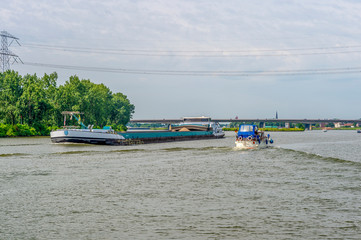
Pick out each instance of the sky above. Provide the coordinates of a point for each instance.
(221, 59)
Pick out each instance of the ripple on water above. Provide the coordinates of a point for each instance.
(308, 155)
(13, 154)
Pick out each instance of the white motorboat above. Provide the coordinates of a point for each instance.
(249, 137)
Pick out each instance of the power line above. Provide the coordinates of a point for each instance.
(206, 53)
(147, 50)
(320, 71)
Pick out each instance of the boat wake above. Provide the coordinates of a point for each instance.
(308, 155)
(128, 150)
(77, 152)
(177, 149)
(253, 149)
(13, 154)
(20, 144)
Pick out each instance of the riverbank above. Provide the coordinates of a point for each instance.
(342, 128)
(270, 129)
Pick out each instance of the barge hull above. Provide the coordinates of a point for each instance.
(87, 140)
(144, 137)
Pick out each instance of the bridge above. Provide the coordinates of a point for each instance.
(262, 122)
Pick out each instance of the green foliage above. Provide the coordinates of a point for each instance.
(148, 125)
(282, 129)
(3, 130)
(119, 128)
(38, 103)
(347, 128)
(270, 129)
(234, 124)
(233, 129)
(99, 105)
(10, 92)
(9, 130)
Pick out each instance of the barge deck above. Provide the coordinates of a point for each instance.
(142, 137)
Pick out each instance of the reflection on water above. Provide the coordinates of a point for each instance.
(305, 187)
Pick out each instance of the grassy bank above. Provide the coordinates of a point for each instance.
(342, 128)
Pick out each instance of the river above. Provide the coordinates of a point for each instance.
(307, 186)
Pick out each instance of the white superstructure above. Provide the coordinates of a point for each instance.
(94, 136)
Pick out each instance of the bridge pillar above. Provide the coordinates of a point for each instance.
(308, 126)
(261, 124)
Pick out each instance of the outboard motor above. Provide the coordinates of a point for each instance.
(269, 139)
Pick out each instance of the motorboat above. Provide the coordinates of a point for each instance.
(250, 137)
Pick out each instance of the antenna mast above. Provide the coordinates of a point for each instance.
(5, 54)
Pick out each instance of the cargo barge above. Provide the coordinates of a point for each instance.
(142, 137)
(188, 129)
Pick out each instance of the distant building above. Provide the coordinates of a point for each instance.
(276, 115)
(339, 125)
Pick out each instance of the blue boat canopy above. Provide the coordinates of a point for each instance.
(246, 130)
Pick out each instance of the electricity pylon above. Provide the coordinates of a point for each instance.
(5, 54)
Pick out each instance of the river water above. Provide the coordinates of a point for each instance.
(307, 186)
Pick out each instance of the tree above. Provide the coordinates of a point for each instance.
(99, 105)
(52, 114)
(34, 101)
(10, 92)
(38, 102)
(122, 110)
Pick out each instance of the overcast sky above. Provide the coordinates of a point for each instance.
(190, 58)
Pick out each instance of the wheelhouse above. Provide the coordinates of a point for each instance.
(246, 130)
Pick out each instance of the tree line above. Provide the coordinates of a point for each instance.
(37, 103)
(269, 124)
